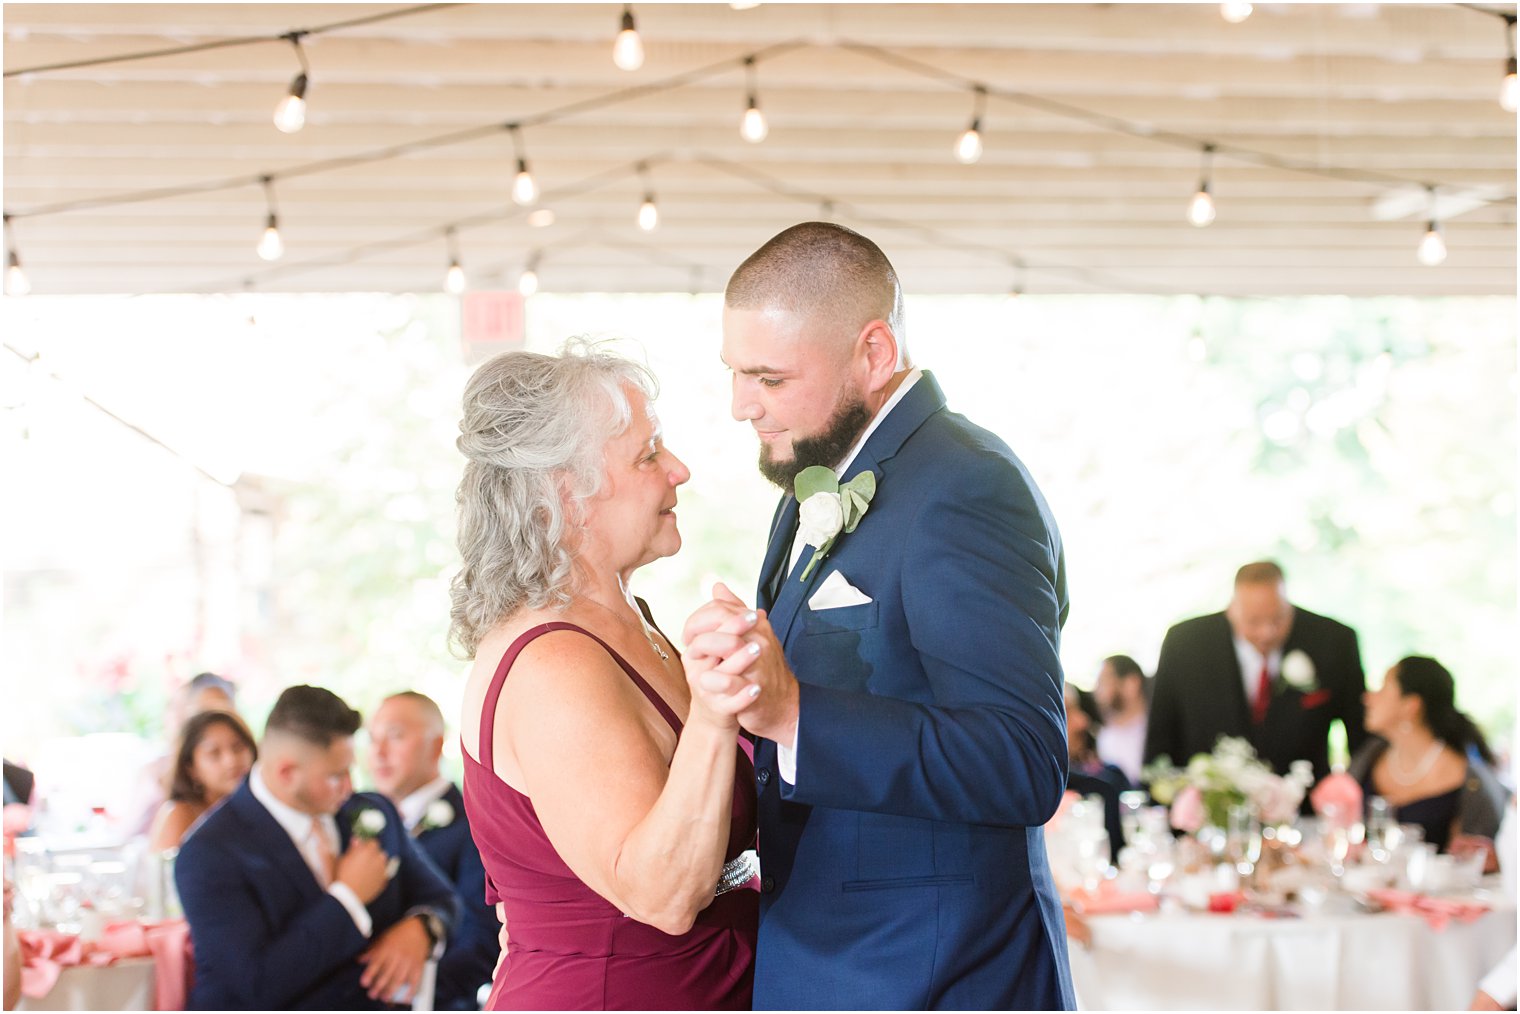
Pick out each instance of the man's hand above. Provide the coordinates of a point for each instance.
(396, 960)
(364, 868)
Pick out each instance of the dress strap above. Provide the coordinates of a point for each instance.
(499, 680)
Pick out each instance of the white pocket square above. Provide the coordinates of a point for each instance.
(835, 593)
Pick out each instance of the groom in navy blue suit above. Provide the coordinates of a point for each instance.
(300, 894)
(913, 740)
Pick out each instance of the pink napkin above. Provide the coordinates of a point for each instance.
(1108, 901)
(1438, 912)
(46, 953)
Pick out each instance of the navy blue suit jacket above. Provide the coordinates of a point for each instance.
(473, 947)
(267, 936)
(906, 868)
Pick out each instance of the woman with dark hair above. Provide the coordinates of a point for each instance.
(1427, 758)
(215, 753)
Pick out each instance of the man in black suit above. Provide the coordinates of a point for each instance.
(405, 746)
(1264, 670)
(300, 893)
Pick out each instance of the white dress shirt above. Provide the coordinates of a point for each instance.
(1250, 666)
(786, 754)
(415, 806)
(298, 826)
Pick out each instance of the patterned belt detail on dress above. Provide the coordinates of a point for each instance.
(738, 871)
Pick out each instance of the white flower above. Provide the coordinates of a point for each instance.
(1298, 670)
(439, 814)
(369, 823)
(819, 519)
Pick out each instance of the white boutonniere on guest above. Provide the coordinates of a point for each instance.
(825, 509)
(439, 814)
(368, 823)
(1298, 671)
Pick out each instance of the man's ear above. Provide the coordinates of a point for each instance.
(880, 346)
(437, 751)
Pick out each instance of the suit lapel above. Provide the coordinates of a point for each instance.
(273, 848)
(773, 570)
(922, 401)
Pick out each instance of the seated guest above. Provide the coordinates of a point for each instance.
(301, 893)
(1085, 773)
(205, 692)
(215, 752)
(1121, 694)
(405, 746)
(1427, 758)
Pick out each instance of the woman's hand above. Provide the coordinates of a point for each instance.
(721, 646)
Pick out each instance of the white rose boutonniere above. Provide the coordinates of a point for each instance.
(439, 814)
(1298, 671)
(825, 508)
(368, 823)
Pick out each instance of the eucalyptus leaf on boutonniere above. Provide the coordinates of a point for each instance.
(368, 823)
(439, 814)
(825, 508)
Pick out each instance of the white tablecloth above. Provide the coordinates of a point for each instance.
(126, 985)
(1224, 962)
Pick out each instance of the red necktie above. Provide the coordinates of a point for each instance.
(1263, 696)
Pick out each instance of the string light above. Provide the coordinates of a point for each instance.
(649, 213)
(290, 114)
(753, 127)
(1201, 208)
(1432, 249)
(628, 49)
(744, 5)
(969, 147)
(16, 282)
(1235, 13)
(1509, 89)
(454, 281)
(541, 218)
(271, 247)
(524, 187)
(527, 283)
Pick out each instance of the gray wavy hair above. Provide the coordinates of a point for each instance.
(534, 432)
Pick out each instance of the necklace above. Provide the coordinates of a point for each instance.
(1421, 770)
(649, 636)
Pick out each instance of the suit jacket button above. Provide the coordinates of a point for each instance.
(764, 776)
(767, 885)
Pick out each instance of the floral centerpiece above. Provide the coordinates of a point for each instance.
(1203, 793)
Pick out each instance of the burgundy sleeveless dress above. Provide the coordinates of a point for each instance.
(570, 949)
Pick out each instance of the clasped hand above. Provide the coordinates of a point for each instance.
(736, 668)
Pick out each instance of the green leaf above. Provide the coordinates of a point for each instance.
(815, 479)
(864, 484)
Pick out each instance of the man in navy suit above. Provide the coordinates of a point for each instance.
(913, 740)
(300, 894)
(405, 747)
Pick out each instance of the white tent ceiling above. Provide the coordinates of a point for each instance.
(1330, 121)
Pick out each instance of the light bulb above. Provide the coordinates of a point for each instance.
(541, 218)
(271, 246)
(628, 50)
(454, 281)
(742, 5)
(1432, 247)
(649, 215)
(969, 148)
(290, 114)
(528, 283)
(1235, 13)
(16, 282)
(1201, 208)
(524, 188)
(753, 127)
(1509, 90)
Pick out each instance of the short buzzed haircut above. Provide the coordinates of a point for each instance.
(314, 715)
(430, 709)
(1260, 572)
(821, 269)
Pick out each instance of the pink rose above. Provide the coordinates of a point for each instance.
(1187, 810)
(1337, 798)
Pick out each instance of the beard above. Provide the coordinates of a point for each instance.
(827, 448)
